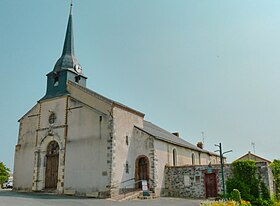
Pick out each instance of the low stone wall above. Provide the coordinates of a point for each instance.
(190, 181)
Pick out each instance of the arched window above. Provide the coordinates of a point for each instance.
(174, 157)
(193, 159)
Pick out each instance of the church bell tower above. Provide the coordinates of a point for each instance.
(67, 67)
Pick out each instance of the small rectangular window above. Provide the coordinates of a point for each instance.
(126, 140)
(197, 179)
(126, 168)
(187, 181)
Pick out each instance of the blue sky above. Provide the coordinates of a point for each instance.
(190, 66)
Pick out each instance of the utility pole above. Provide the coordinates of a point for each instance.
(222, 167)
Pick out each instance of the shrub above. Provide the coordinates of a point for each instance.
(245, 180)
(235, 195)
(275, 165)
(245, 203)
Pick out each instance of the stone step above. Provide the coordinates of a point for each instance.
(152, 195)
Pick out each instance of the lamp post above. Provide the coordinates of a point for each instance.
(222, 166)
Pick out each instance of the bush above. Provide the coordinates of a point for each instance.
(245, 203)
(275, 165)
(235, 195)
(245, 180)
(262, 202)
(265, 192)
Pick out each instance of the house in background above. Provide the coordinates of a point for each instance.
(251, 156)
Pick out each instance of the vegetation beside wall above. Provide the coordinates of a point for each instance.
(247, 180)
(4, 174)
(275, 165)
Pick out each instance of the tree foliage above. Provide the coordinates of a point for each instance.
(4, 173)
(275, 165)
(246, 180)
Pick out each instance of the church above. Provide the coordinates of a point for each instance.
(76, 141)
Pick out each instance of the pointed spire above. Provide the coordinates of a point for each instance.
(69, 37)
(68, 60)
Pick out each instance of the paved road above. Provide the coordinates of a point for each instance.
(10, 198)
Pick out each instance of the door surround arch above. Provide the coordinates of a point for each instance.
(142, 169)
(40, 159)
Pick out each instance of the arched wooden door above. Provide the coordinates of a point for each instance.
(52, 157)
(142, 169)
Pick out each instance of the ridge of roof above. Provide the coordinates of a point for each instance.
(105, 99)
(166, 136)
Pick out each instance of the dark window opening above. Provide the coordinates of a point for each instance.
(77, 79)
(126, 140)
(126, 168)
(174, 157)
(193, 159)
(56, 81)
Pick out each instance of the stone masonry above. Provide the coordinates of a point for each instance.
(189, 181)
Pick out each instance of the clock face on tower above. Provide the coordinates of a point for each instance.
(78, 68)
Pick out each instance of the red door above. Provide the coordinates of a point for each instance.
(211, 185)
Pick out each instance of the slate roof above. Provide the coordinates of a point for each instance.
(166, 136)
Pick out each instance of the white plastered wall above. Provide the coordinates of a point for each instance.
(24, 154)
(124, 122)
(86, 163)
(164, 156)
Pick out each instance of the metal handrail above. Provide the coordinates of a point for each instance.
(118, 184)
(133, 188)
(134, 183)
